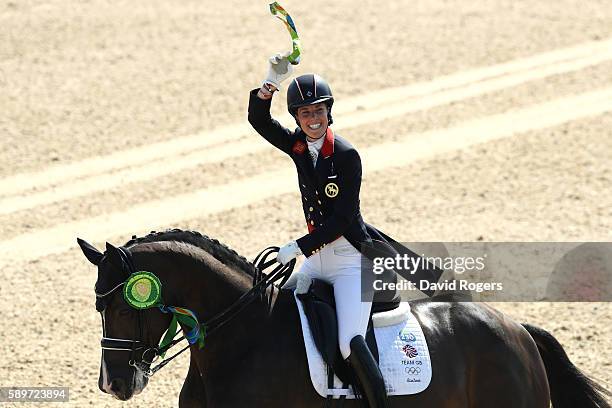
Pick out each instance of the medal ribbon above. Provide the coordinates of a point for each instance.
(279, 12)
(196, 333)
(142, 290)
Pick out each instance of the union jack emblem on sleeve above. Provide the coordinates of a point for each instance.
(299, 147)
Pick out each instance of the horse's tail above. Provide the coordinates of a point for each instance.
(569, 387)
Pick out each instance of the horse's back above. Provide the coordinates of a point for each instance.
(481, 356)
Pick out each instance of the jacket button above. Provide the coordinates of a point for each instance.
(310, 209)
(311, 222)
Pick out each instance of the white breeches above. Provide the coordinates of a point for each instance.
(339, 264)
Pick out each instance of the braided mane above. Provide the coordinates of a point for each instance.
(220, 251)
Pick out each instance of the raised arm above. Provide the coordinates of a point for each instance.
(260, 100)
(261, 120)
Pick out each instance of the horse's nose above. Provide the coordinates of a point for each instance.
(120, 390)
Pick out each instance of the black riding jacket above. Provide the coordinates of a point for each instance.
(330, 193)
(330, 189)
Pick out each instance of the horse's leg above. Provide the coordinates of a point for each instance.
(193, 394)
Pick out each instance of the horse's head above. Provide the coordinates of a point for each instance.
(129, 335)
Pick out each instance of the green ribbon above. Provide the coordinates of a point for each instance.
(197, 332)
(279, 12)
(142, 290)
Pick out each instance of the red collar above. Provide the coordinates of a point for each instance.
(328, 144)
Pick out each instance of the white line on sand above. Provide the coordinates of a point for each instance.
(139, 156)
(172, 211)
(171, 164)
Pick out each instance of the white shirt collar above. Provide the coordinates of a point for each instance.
(314, 148)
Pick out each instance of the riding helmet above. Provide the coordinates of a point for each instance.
(309, 89)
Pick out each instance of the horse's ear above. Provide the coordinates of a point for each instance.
(91, 253)
(110, 247)
(114, 256)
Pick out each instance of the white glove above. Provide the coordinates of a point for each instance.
(279, 69)
(288, 252)
(292, 281)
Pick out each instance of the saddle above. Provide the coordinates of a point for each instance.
(320, 310)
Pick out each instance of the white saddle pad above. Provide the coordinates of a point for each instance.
(403, 358)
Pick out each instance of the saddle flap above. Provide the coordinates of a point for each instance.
(403, 358)
(320, 310)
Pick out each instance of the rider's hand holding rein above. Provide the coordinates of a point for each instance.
(288, 252)
(279, 69)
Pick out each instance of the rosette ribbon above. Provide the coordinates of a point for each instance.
(142, 290)
(196, 333)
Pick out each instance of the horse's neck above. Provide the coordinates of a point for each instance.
(256, 346)
(217, 289)
(236, 349)
(200, 281)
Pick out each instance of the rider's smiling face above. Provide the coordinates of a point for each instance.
(313, 120)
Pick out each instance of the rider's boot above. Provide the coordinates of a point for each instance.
(368, 373)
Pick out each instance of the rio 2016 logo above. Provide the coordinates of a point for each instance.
(406, 336)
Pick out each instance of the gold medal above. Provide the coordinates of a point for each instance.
(331, 190)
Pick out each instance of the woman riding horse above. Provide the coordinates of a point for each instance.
(480, 358)
(329, 177)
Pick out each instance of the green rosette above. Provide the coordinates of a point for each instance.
(142, 290)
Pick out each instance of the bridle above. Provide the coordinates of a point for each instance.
(151, 353)
(131, 345)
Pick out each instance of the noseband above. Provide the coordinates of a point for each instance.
(261, 282)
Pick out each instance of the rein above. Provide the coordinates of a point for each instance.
(261, 282)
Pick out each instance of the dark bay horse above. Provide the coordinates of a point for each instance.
(480, 358)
